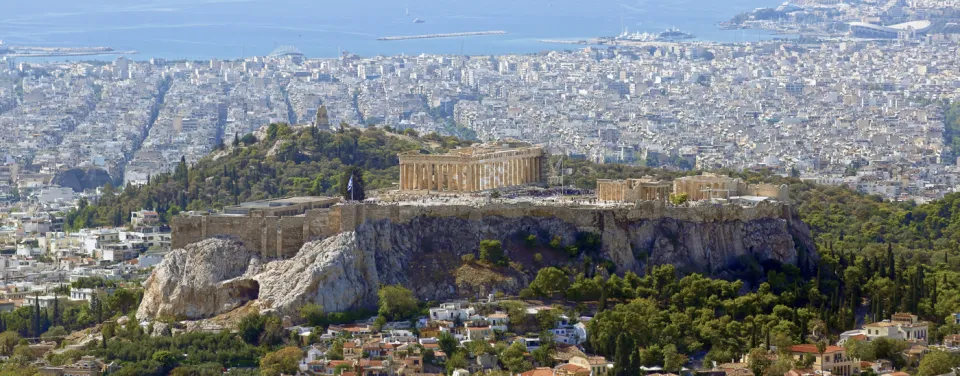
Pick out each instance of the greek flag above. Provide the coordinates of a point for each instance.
(350, 184)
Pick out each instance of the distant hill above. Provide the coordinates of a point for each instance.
(278, 161)
(80, 179)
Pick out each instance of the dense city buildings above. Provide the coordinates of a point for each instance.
(865, 114)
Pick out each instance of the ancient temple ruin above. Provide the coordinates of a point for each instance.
(704, 187)
(484, 167)
(632, 190)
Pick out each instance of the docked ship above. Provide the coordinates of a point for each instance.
(673, 35)
(670, 35)
(637, 36)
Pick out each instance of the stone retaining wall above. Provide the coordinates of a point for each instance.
(282, 237)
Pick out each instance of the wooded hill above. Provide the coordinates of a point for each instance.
(283, 161)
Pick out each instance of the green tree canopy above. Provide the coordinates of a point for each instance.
(397, 302)
(491, 251)
(281, 362)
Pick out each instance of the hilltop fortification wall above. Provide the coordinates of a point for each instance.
(422, 247)
(282, 237)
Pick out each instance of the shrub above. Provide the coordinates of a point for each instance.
(679, 199)
(530, 241)
(527, 293)
(491, 251)
(468, 258)
(538, 258)
(556, 242)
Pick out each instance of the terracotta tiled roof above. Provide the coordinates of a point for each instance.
(540, 371)
(572, 368)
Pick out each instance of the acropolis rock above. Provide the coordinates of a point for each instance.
(421, 247)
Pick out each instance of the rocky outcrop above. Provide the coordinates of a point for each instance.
(334, 273)
(224, 275)
(200, 280)
(425, 254)
(80, 179)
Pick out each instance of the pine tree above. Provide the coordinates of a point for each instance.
(236, 139)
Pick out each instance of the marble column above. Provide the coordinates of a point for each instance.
(426, 176)
(516, 171)
(531, 165)
(406, 177)
(484, 175)
(476, 176)
(414, 176)
(523, 171)
(455, 178)
(469, 176)
(536, 169)
(449, 174)
(411, 176)
(418, 168)
(441, 177)
(421, 176)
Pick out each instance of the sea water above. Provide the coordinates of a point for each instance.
(204, 29)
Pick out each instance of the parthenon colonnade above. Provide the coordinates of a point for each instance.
(471, 169)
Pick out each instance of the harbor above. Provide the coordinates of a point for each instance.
(33, 51)
(636, 39)
(443, 35)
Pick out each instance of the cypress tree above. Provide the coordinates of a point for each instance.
(36, 314)
(933, 298)
(56, 309)
(622, 357)
(892, 274)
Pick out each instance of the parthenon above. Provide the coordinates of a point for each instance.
(473, 169)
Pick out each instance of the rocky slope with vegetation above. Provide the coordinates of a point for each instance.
(279, 161)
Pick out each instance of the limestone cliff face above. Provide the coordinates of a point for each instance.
(200, 280)
(216, 276)
(334, 273)
(425, 253)
(420, 254)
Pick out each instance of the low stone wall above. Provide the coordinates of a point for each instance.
(282, 237)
